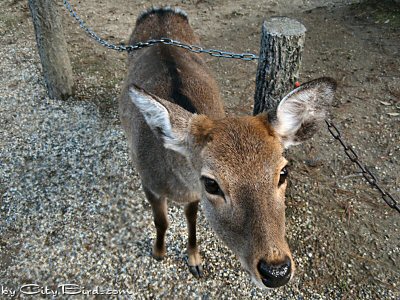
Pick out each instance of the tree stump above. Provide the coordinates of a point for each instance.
(282, 43)
(52, 48)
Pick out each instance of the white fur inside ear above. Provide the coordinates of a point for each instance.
(155, 114)
(305, 106)
(294, 111)
(158, 119)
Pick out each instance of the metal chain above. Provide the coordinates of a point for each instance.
(368, 176)
(334, 131)
(148, 43)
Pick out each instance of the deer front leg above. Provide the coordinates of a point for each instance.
(159, 206)
(194, 258)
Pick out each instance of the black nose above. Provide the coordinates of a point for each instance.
(274, 275)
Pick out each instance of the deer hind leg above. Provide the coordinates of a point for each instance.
(159, 206)
(194, 258)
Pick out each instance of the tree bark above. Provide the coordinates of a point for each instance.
(52, 48)
(282, 43)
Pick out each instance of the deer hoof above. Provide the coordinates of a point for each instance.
(197, 271)
(158, 258)
(158, 254)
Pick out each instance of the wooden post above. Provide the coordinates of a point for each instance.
(52, 48)
(282, 43)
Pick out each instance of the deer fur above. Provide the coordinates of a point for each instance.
(188, 151)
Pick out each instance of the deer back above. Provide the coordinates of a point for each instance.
(177, 76)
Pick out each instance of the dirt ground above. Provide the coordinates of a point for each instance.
(350, 238)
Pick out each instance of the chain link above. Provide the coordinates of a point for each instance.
(368, 176)
(334, 131)
(148, 43)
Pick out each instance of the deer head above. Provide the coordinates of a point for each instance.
(243, 174)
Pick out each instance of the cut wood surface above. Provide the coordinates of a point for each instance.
(282, 43)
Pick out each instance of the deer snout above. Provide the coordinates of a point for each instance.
(275, 275)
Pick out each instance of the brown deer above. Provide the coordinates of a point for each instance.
(186, 150)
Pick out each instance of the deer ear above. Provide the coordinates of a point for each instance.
(167, 120)
(299, 113)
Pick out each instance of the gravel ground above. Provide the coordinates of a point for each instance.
(72, 209)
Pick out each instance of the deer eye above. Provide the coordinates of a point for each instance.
(211, 186)
(283, 175)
